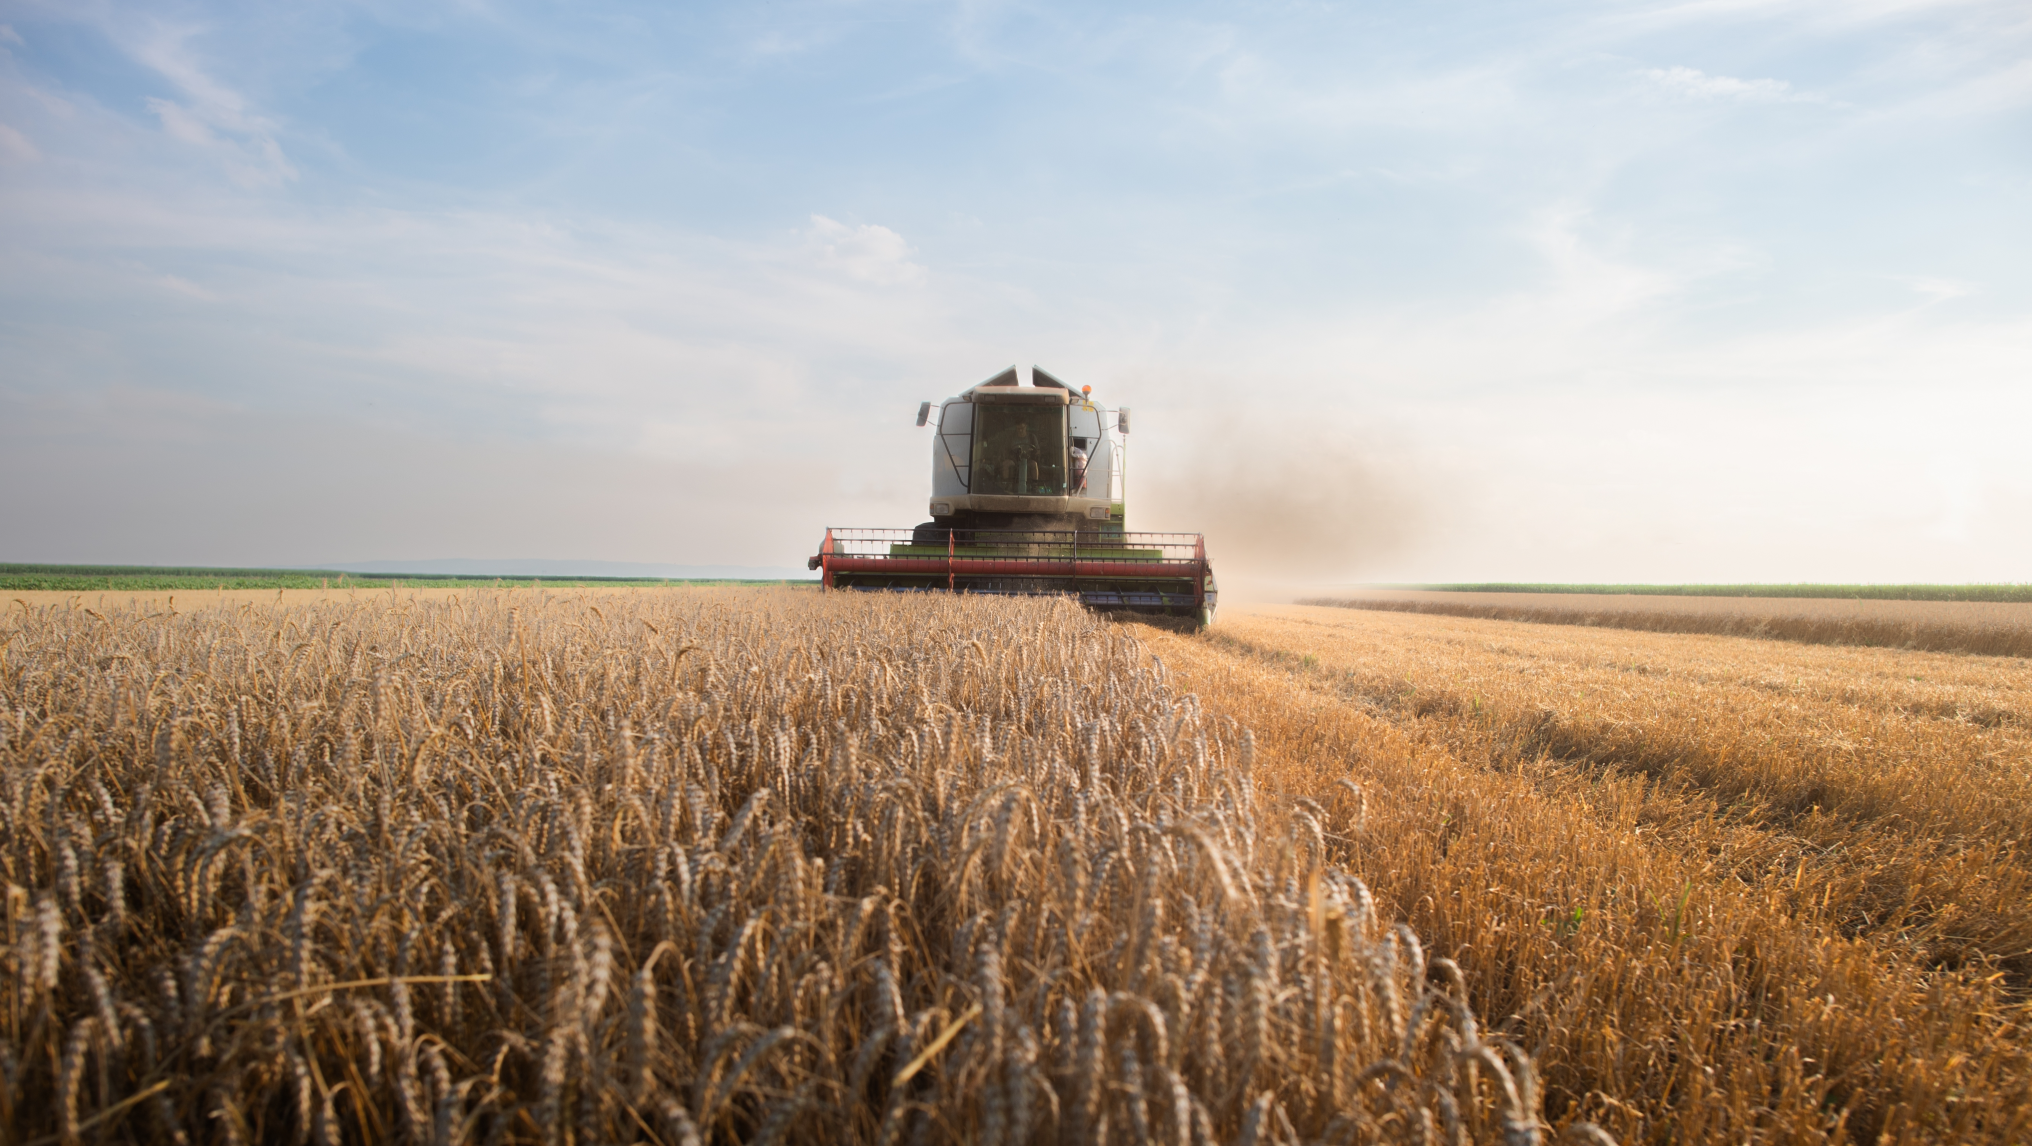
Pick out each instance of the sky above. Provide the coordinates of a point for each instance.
(1720, 290)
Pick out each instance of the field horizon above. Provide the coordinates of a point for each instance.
(75, 577)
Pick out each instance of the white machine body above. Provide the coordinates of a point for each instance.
(1038, 451)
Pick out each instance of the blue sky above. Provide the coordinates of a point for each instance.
(1575, 291)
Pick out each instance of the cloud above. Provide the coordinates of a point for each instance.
(1696, 84)
(17, 145)
(1976, 91)
(209, 115)
(646, 340)
(870, 253)
(178, 121)
(1481, 242)
(1587, 283)
(263, 489)
(8, 35)
(1939, 289)
(187, 288)
(1261, 95)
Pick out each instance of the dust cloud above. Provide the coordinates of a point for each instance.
(1287, 510)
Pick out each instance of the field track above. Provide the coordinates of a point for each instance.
(1729, 890)
(1987, 628)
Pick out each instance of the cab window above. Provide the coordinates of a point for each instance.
(1019, 450)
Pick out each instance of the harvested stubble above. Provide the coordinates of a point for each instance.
(1988, 628)
(1727, 890)
(697, 866)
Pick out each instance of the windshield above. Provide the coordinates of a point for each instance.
(1019, 450)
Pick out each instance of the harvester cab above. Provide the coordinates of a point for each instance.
(1028, 497)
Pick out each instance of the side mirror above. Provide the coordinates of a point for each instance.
(924, 413)
(1122, 419)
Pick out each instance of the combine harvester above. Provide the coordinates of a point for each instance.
(1027, 498)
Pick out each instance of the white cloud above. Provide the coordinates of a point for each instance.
(1975, 91)
(1697, 84)
(8, 35)
(1939, 289)
(86, 478)
(1587, 284)
(870, 253)
(178, 121)
(209, 114)
(254, 159)
(187, 288)
(1489, 256)
(1260, 93)
(17, 145)
(648, 340)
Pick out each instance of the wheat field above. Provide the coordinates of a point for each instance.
(1726, 890)
(1991, 628)
(691, 866)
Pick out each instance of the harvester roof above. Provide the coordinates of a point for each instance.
(1006, 387)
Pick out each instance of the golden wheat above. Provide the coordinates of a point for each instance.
(1989, 628)
(1727, 890)
(681, 867)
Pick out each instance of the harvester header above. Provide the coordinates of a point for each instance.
(1028, 497)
